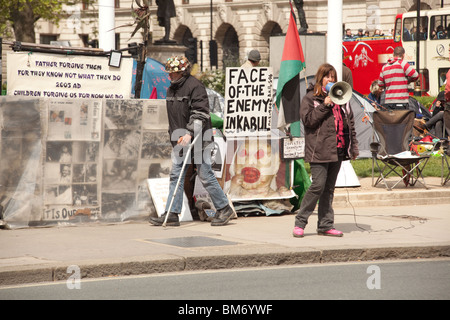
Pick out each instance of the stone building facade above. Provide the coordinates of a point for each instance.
(237, 26)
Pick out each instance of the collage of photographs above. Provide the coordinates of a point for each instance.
(95, 155)
(96, 158)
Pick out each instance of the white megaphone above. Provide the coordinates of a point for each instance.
(339, 92)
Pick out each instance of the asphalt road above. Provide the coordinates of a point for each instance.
(403, 279)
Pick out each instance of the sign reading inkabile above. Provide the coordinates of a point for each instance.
(248, 102)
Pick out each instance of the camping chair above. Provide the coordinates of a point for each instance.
(446, 148)
(394, 132)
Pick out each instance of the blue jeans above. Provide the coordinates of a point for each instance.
(207, 178)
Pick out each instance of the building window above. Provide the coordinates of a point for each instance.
(410, 29)
(116, 3)
(440, 26)
(85, 39)
(185, 2)
(47, 38)
(230, 48)
(228, 0)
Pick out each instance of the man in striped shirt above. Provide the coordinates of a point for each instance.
(395, 76)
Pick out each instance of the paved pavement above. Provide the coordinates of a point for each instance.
(377, 224)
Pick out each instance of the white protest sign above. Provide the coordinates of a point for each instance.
(293, 148)
(248, 102)
(159, 191)
(65, 76)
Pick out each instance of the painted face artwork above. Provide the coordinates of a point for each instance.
(254, 169)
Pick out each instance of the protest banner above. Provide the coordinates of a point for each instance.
(254, 170)
(64, 76)
(248, 102)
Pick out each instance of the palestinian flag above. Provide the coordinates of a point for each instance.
(288, 88)
(288, 102)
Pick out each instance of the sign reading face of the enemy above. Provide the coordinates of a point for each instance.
(248, 102)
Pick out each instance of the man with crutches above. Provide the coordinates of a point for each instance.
(188, 112)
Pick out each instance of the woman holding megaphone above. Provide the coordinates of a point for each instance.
(330, 138)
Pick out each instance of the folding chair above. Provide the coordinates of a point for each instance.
(446, 149)
(394, 132)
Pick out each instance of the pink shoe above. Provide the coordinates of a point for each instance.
(331, 233)
(298, 232)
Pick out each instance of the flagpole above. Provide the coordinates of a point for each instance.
(292, 63)
(334, 36)
(304, 69)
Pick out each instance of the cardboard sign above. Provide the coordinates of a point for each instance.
(248, 102)
(292, 148)
(159, 190)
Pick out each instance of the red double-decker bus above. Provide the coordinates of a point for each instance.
(366, 56)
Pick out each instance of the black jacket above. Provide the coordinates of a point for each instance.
(320, 130)
(187, 101)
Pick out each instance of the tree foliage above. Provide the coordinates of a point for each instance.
(141, 16)
(23, 14)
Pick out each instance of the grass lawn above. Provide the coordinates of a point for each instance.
(363, 167)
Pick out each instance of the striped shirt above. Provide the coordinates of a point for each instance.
(394, 78)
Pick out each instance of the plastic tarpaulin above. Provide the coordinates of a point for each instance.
(20, 156)
(67, 161)
(153, 76)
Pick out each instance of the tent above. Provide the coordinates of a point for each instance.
(153, 76)
(363, 112)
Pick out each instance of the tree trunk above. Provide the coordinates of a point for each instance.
(23, 24)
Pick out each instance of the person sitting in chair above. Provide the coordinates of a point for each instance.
(435, 125)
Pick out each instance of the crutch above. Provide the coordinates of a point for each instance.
(197, 124)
